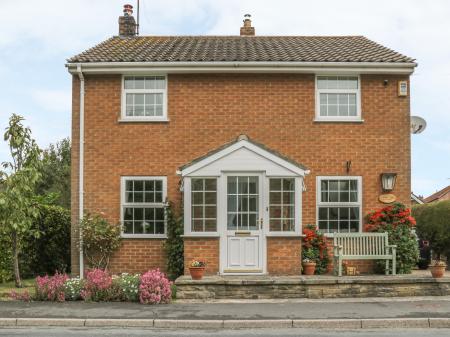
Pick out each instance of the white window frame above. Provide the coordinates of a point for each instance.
(124, 204)
(319, 203)
(123, 114)
(318, 91)
(187, 191)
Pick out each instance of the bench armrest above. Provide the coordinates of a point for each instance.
(337, 249)
(392, 246)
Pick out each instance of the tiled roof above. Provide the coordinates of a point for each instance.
(438, 195)
(240, 49)
(238, 139)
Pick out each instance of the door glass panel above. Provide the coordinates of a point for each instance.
(242, 202)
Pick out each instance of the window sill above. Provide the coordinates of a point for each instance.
(144, 236)
(201, 235)
(292, 235)
(336, 120)
(143, 120)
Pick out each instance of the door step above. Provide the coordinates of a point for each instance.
(243, 271)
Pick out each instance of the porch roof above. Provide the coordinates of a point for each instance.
(243, 140)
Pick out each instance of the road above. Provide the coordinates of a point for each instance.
(68, 332)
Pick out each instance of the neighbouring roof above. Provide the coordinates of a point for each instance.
(238, 139)
(416, 198)
(240, 49)
(438, 195)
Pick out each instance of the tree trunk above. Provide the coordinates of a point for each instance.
(15, 251)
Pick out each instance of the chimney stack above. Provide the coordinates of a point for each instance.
(127, 25)
(247, 29)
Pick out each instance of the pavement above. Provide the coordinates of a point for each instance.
(368, 313)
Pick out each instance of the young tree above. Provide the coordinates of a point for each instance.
(18, 179)
(56, 172)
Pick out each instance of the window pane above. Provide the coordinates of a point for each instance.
(354, 226)
(197, 225)
(128, 214)
(138, 213)
(288, 198)
(210, 198)
(210, 184)
(129, 82)
(210, 212)
(253, 185)
(242, 185)
(275, 184)
(159, 227)
(232, 181)
(149, 227)
(128, 227)
(275, 225)
(149, 214)
(149, 197)
(288, 185)
(197, 184)
(197, 212)
(210, 225)
(139, 83)
(138, 197)
(333, 213)
(138, 227)
(354, 213)
(159, 214)
(323, 226)
(323, 213)
(333, 226)
(288, 225)
(138, 185)
(275, 198)
(197, 198)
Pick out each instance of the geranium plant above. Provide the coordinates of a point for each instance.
(314, 248)
(397, 221)
(197, 264)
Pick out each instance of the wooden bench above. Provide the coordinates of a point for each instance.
(363, 246)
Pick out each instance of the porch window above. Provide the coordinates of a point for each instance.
(204, 204)
(143, 206)
(242, 203)
(338, 98)
(339, 204)
(144, 98)
(282, 204)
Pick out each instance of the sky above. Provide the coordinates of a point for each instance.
(36, 37)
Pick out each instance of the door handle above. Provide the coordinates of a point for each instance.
(261, 223)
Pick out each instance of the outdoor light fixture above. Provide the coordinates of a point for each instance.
(388, 181)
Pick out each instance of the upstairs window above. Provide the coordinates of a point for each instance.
(338, 98)
(144, 98)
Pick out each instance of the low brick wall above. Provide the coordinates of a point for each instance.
(266, 287)
(283, 255)
(206, 249)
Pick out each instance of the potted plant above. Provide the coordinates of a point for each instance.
(437, 268)
(314, 251)
(433, 225)
(197, 269)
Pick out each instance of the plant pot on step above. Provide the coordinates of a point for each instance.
(197, 272)
(309, 268)
(437, 269)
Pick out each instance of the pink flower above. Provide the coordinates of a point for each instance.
(154, 288)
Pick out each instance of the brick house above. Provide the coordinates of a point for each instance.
(252, 136)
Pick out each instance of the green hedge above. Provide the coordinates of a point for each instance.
(44, 255)
(433, 225)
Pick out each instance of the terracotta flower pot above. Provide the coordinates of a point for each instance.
(196, 272)
(437, 271)
(309, 268)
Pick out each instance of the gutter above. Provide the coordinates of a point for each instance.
(81, 167)
(311, 67)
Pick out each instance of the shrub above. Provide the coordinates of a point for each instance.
(128, 286)
(51, 288)
(72, 289)
(397, 221)
(97, 286)
(100, 240)
(315, 248)
(24, 296)
(49, 252)
(174, 244)
(433, 225)
(155, 288)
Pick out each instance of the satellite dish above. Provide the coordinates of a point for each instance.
(418, 124)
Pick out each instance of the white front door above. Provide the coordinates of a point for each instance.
(244, 218)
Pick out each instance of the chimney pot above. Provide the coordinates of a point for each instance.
(247, 29)
(127, 24)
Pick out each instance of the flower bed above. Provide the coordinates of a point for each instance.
(153, 287)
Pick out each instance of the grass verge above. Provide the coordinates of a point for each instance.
(6, 288)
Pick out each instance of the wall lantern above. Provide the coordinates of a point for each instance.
(388, 181)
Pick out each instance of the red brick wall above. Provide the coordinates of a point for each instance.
(284, 256)
(138, 256)
(207, 110)
(206, 249)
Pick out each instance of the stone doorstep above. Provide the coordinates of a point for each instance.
(234, 324)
